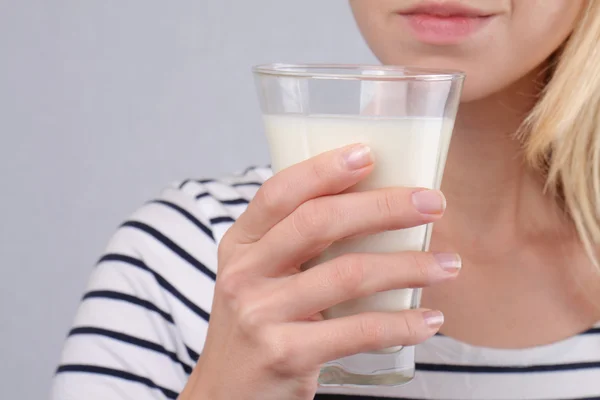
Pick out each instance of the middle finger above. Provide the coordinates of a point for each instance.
(316, 224)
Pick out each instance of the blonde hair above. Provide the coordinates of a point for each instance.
(562, 133)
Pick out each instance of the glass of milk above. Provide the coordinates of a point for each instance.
(406, 116)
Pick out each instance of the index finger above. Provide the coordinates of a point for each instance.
(329, 173)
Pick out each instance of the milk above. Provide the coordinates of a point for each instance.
(407, 152)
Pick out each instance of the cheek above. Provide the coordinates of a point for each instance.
(539, 27)
(518, 46)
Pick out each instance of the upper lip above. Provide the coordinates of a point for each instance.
(445, 9)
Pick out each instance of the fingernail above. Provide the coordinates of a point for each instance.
(433, 319)
(431, 202)
(450, 262)
(358, 156)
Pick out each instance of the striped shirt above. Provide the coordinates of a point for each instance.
(142, 322)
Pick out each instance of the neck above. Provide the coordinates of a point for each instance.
(493, 196)
(521, 258)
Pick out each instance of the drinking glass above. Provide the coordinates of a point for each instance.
(406, 116)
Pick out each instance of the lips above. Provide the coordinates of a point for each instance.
(444, 23)
(446, 10)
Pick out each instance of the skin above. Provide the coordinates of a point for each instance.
(522, 260)
(526, 280)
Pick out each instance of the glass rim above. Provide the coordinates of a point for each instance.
(357, 72)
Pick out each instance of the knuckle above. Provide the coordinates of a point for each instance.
(226, 246)
(321, 171)
(308, 220)
(421, 266)
(374, 332)
(280, 353)
(387, 204)
(348, 273)
(269, 196)
(229, 286)
(251, 318)
(411, 333)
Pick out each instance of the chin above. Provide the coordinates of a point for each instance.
(478, 85)
(475, 91)
(520, 86)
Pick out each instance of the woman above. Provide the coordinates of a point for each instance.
(520, 314)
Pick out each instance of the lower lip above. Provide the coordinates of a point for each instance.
(438, 30)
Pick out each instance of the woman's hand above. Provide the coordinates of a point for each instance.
(266, 338)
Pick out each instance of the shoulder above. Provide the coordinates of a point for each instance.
(144, 316)
(169, 246)
(172, 240)
(193, 212)
(222, 200)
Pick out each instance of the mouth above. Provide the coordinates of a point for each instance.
(444, 23)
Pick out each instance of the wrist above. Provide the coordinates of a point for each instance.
(198, 387)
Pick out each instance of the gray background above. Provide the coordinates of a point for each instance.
(104, 102)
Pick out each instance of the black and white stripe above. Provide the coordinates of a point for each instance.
(142, 323)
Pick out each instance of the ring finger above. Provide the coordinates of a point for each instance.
(357, 275)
